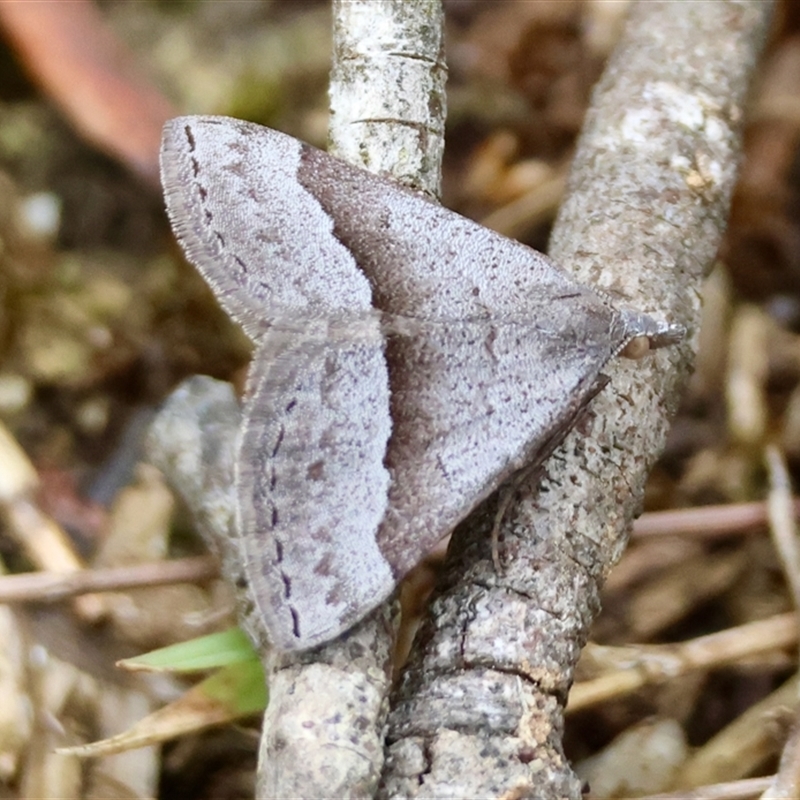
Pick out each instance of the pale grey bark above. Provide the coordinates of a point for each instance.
(480, 709)
(387, 89)
(323, 729)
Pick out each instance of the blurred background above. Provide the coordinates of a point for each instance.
(100, 318)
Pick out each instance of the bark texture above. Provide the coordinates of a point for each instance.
(388, 103)
(480, 709)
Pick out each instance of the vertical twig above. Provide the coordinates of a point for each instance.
(780, 512)
(387, 89)
(323, 730)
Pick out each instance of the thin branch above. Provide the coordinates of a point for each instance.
(781, 519)
(628, 669)
(50, 587)
(387, 115)
(706, 522)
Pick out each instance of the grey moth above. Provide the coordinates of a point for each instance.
(407, 361)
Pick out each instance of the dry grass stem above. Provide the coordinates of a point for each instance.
(745, 744)
(731, 790)
(628, 669)
(781, 518)
(43, 540)
(786, 782)
(49, 587)
(706, 522)
(532, 208)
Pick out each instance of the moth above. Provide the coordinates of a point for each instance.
(406, 362)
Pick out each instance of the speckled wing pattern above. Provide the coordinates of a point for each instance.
(367, 438)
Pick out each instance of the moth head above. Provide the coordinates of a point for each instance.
(648, 334)
(637, 348)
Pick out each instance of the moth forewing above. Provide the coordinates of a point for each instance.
(470, 353)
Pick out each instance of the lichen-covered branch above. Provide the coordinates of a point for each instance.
(480, 710)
